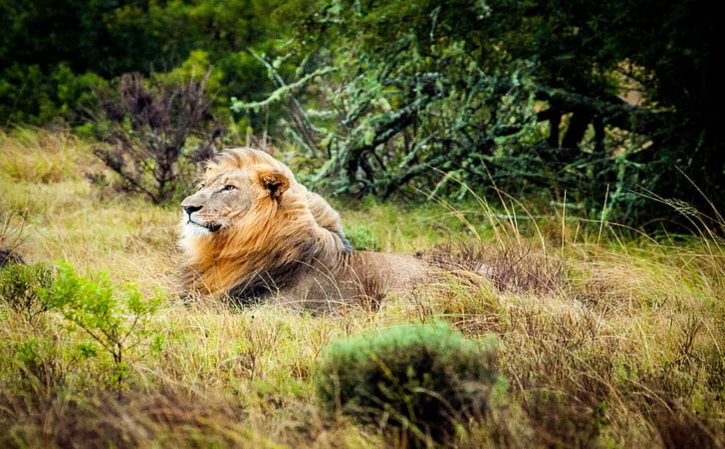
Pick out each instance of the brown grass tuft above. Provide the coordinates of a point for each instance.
(510, 267)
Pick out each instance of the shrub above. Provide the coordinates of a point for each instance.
(20, 286)
(419, 380)
(363, 238)
(38, 365)
(146, 129)
(115, 319)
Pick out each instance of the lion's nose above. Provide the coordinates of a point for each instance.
(191, 209)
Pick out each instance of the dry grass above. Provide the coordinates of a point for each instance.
(20, 155)
(607, 341)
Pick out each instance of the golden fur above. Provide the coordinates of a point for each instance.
(252, 231)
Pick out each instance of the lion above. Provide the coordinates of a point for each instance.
(253, 233)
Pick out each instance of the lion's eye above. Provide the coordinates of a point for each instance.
(228, 187)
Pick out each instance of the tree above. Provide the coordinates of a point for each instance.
(54, 54)
(529, 94)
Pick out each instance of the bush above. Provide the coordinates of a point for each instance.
(147, 129)
(116, 320)
(41, 94)
(363, 238)
(420, 380)
(20, 286)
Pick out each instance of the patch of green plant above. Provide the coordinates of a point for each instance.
(116, 320)
(420, 380)
(20, 285)
(362, 237)
(40, 365)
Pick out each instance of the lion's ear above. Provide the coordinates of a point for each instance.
(274, 181)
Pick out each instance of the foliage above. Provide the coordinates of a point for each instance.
(52, 75)
(116, 321)
(147, 129)
(20, 286)
(519, 96)
(596, 105)
(31, 96)
(424, 379)
(362, 238)
(414, 110)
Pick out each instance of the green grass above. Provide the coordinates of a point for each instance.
(608, 338)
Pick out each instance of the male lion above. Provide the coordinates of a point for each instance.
(252, 232)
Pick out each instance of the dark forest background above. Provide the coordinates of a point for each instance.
(612, 108)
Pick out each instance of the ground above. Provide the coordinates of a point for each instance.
(607, 337)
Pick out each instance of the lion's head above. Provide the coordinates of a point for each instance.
(228, 194)
(250, 223)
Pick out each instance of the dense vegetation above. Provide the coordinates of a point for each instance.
(612, 108)
(56, 56)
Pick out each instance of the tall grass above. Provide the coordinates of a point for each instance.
(40, 156)
(609, 338)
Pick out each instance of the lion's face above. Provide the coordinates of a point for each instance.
(224, 198)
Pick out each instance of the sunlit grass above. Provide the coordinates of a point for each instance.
(39, 156)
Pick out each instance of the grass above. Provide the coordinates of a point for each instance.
(609, 338)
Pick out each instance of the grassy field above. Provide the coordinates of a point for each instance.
(607, 338)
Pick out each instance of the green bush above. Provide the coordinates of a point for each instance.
(39, 366)
(419, 380)
(38, 95)
(20, 285)
(363, 238)
(115, 319)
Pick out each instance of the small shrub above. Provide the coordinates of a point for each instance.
(419, 380)
(363, 238)
(116, 320)
(40, 367)
(20, 286)
(147, 129)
